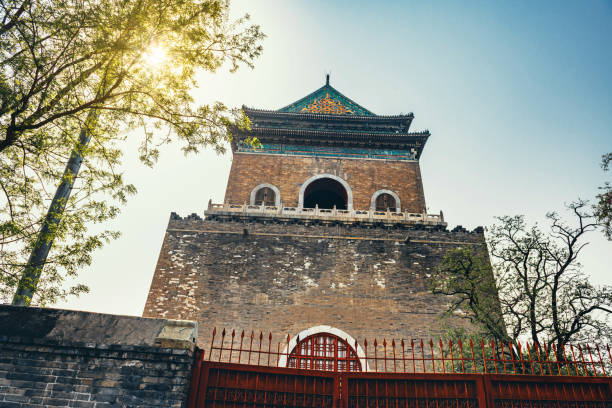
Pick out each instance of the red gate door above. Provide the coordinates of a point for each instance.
(324, 351)
(218, 384)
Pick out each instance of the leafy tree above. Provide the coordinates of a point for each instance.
(77, 76)
(603, 208)
(544, 295)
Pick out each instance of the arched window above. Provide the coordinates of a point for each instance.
(324, 351)
(385, 202)
(265, 196)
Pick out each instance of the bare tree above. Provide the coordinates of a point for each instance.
(544, 296)
(466, 276)
(603, 208)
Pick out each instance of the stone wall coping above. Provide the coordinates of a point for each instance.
(71, 347)
(60, 327)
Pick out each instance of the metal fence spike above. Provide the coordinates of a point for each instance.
(533, 358)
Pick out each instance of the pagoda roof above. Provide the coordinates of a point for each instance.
(328, 118)
(327, 100)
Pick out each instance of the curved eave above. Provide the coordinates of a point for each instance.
(297, 115)
(399, 141)
(339, 134)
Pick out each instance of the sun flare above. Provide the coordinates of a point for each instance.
(155, 56)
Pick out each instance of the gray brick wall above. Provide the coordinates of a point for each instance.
(55, 369)
(278, 278)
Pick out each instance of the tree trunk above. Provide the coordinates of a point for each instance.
(44, 241)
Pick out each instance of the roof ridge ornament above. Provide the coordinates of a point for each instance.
(327, 101)
(327, 105)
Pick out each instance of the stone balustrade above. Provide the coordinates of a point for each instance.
(324, 214)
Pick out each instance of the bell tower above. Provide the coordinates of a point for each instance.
(325, 151)
(323, 233)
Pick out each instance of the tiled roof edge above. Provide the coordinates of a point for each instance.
(409, 115)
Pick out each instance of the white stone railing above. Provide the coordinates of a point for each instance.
(332, 214)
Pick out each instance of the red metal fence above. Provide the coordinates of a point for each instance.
(245, 370)
(412, 356)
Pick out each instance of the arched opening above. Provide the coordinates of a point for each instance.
(326, 193)
(383, 200)
(324, 351)
(265, 196)
(386, 202)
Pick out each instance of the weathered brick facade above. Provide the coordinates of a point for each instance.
(287, 173)
(285, 278)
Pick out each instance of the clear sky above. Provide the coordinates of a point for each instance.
(517, 96)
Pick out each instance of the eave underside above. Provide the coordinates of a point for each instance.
(407, 141)
(262, 118)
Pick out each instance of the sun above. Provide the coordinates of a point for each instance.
(155, 56)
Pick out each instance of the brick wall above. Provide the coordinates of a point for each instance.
(289, 172)
(286, 278)
(63, 358)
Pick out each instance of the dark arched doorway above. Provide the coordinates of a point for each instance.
(324, 351)
(326, 193)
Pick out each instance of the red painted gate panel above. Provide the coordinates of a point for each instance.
(516, 391)
(238, 385)
(412, 390)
